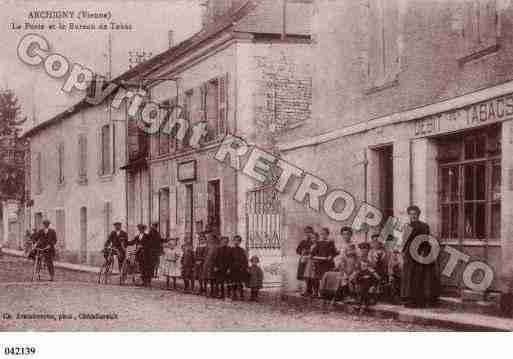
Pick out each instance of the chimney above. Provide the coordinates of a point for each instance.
(170, 39)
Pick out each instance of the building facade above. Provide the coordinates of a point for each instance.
(75, 179)
(242, 77)
(413, 104)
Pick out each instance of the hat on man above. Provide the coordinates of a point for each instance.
(46, 221)
(364, 245)
(118, 223)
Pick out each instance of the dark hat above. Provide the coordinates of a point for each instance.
(116, 223)
(141, 226)
(364, 245)
(413, 208)
(346, 229)
(254, 258)
(46, 221)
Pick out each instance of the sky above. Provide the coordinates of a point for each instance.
(40, 95)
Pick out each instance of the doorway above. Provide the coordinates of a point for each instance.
(214, 206)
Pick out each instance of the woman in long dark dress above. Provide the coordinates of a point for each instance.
(420, 284)
(303, 251)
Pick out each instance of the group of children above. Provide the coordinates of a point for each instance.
(220, 268)
(367, 274)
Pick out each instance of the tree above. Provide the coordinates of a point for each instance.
(11, 147)
(10, 113)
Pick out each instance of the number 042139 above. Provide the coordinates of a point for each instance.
(19, 350)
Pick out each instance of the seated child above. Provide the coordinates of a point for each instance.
(348, 268)
(378, 260)
(394, 276)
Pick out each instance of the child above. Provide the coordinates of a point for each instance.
(394, 276)
(256, 278)
(238, 268)
(365, 279)
(348, 268)
(378, 259)
(172, 262)
(199, 258)
(208, 270)
(188, 267)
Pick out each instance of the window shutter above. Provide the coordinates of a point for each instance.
(113, 148)
(82, 153)
(222, 117)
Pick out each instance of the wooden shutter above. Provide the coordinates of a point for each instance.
(222, 117)
(82, 156)
(60, 226)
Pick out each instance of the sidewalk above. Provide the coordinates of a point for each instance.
(445, 316)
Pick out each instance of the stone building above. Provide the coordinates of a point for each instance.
(246, 73)
(413, 104)
(75, 180)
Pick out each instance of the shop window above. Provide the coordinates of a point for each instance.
(470, 181)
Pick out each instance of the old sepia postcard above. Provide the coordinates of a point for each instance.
(256, 165)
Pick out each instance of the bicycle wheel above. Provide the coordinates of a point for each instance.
(101, 274)
(123, 272)
(35, 271)
(108, 271)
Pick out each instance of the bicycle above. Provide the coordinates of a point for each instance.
(106, 269)
(38, 263)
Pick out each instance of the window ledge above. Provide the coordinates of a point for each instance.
(106, 177)
(82, 180)
(478, 54)
(380, 87)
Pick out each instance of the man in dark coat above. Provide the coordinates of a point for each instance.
(151, 245)
(208, 270)
(138, 240)
(420, 282)
(118, 239)
(322, 255)
(222, 264)
(238, 268)
(46, 239)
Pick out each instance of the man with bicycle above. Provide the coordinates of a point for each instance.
(118, 239)
(46, 239)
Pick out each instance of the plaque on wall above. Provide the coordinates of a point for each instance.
(187, 171)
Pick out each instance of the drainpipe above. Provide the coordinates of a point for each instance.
(284, 20)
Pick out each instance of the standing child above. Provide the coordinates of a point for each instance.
(199, 258)
(365, 279)
(312, 289)
(172, 267)
(222, 263)
(394, 276)
(239, 268)
(188, 267)
(256, 278)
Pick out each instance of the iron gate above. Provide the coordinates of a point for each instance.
(264, 217)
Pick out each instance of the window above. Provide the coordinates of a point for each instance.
(82, 157)
(386, 180)
(470, 181)
(214, 104)
(164, 212)
(480, 27)
(383, 50)
(60, 164)
(164, 137)
(105, 150)
(38, 175)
